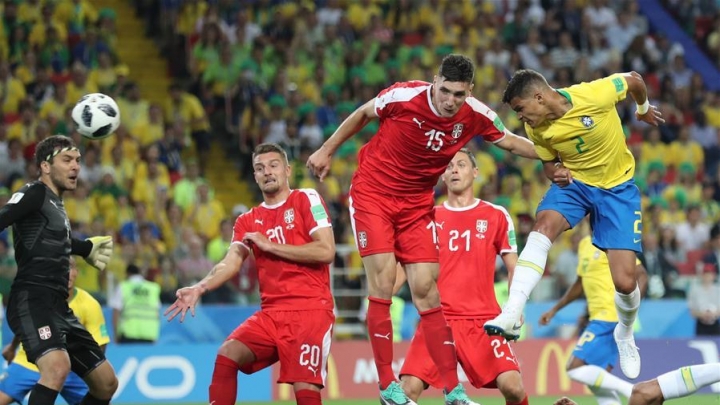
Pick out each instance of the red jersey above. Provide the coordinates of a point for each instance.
(470, 239)
(415, 144)
(287, 285)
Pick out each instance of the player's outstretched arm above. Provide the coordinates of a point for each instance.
(319, 162)
(320, 250)
(188, 297)
(574, 292)
(638, 91)
(518, 145)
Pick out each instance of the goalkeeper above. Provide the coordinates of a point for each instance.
(38, 311)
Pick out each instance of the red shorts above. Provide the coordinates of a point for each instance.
(394, 224)
(482, 357)
(299, 340)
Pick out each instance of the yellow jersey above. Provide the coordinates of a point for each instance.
(589, 139)
(90, 315)
(594, 272)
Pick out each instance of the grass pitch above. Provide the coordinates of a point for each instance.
(586, 400)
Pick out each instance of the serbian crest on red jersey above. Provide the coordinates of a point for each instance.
(481, 225)
(457, 130)
(289, 217)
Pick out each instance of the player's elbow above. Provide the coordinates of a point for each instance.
(328, 255)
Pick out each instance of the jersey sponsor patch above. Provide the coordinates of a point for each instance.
(318, 212)
(15, 198)
(619, 85)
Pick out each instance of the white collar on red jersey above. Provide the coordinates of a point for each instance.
(468, 208)
(272, 207)
(429, 100)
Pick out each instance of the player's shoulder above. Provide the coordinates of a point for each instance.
(480, 108)
(402, 92)
(35, 190)
(496, 209)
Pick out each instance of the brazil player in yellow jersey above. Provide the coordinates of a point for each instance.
(21, 375)
(577, 132)
(596, 353)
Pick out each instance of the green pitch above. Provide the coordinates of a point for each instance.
(693, 400)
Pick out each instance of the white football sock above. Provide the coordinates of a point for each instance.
(596, 377)
(529, 269)
(627, 307)
(606, 397)
(686, 380)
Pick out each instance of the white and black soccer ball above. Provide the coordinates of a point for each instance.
(96, 116)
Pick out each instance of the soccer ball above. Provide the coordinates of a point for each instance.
(96, 116)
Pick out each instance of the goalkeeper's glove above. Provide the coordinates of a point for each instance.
(101, 250)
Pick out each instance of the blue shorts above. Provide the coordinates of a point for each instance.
(596, 346)
(615, 214)
(17, 381)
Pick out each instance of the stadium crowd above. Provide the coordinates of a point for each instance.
(291, 71)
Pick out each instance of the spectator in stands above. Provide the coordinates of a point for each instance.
(704, 303)
(712, 257)
(130, 231)
(692, 234)
(661, 272)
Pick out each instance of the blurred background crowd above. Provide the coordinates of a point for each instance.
(172, 179)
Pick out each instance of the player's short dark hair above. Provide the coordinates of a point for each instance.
(457, 68)
(49, 147)
(470, 156)
(521, 83)
(269, 148)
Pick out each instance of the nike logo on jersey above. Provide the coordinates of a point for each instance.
(377, 335)
(258, 221)
(418, 122)
(637, 240)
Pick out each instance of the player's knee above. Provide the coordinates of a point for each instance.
(55, 371)
(513, 392)
(645, 393)
(106, 388)
(625, 285)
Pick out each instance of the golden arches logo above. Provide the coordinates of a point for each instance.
(332, 384)
(562, 355)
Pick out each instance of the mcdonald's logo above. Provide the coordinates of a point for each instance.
(561, 355)
(332, 384)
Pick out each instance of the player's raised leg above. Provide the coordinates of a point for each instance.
(675, 384)
(530, 267)
(597, 378)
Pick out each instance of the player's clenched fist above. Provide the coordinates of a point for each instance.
(319, 163)
(546, 317)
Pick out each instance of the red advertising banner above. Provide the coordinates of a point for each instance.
(352, 374)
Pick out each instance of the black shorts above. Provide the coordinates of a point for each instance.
(44, 322)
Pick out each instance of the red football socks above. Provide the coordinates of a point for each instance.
(441, 345)
(523, 402)
(223, 387)
(308, 397)
(380, 331)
